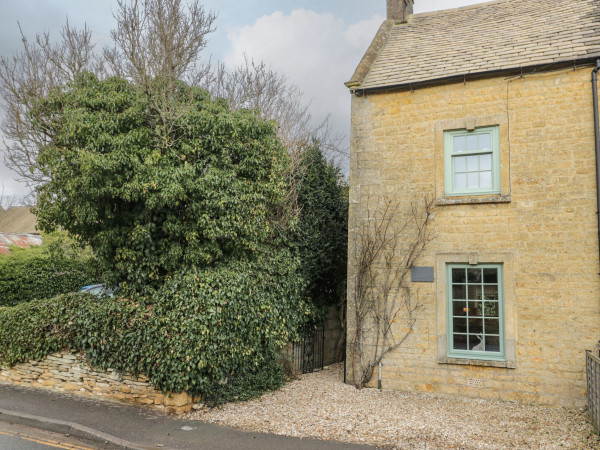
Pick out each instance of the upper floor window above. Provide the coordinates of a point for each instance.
(472, 161)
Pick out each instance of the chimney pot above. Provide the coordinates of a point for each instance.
(399, 10)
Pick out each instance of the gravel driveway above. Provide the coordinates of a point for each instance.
(319, 405)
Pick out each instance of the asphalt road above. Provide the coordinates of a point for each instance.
(18, 437)
(135, 427)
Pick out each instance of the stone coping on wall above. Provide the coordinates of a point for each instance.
(69, 372)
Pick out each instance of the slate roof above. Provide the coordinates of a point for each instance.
(488, 37)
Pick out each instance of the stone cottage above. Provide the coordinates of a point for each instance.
(489, 110)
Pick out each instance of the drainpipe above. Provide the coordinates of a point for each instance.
(597, 143)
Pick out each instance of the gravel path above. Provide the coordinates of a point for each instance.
(319, 405)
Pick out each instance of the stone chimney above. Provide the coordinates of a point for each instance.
(399, 10)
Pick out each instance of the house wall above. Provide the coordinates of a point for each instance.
(543, 228)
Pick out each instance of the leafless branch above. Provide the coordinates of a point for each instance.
(8, 200)
(256, 86)
(156, 44)
(39, 68)
(386, 248)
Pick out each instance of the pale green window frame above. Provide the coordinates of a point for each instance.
(475, 312)
(472, 161)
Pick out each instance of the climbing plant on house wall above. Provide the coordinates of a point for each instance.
(383, 306)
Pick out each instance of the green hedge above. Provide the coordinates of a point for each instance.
(214, 332)
(57, 267)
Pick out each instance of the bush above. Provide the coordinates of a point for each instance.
(210, 191)
(56, 267)
(35, 329)
(213, 332)
(191, 218)
(321, 236)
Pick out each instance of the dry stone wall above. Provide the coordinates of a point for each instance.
(69, 372)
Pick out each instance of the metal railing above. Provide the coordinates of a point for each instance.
(592, 370)
(309, 352)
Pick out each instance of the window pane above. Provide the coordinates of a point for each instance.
(490, 309)
(459, 325)
(473, 180)
(490, 292)
(490, 275)
(485, 141)
(492, 326)
(459, 144)
(485, 162)
(460, 164)
(474, 275)
(475, 292)
(485, 179)
(475, 326)
(459, 308)
(459, 292)
(458, 276)
(472, 164)
(492, 343)
(460, 342)
(472, 142)
(476, 342)
(475, 309)
(460, 181)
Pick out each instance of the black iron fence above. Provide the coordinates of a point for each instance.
(592, 370)
(309, 353)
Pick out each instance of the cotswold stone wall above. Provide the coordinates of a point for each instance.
(542, 228)
(68, 372)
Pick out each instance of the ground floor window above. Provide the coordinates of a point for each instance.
(475, 311)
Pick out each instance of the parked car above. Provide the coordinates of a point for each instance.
(98, 290)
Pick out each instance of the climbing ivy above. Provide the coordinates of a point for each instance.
(214, 332)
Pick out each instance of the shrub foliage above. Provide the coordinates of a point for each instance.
(321, 236)
(56, 267)
(191, 221)
(149, 203)
(213, 332)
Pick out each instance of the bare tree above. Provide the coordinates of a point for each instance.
(156, 43)
(159, 39)
(34, 72)
(383, 305)
(7, 200)
(256, 86)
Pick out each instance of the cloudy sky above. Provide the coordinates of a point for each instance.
(315, 43)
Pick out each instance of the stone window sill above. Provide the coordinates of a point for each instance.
(474, 200)
(478, 362)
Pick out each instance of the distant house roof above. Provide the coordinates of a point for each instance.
(485, 38)
(20, 240)
(18, 219)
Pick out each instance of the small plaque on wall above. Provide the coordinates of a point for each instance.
(421, 274)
